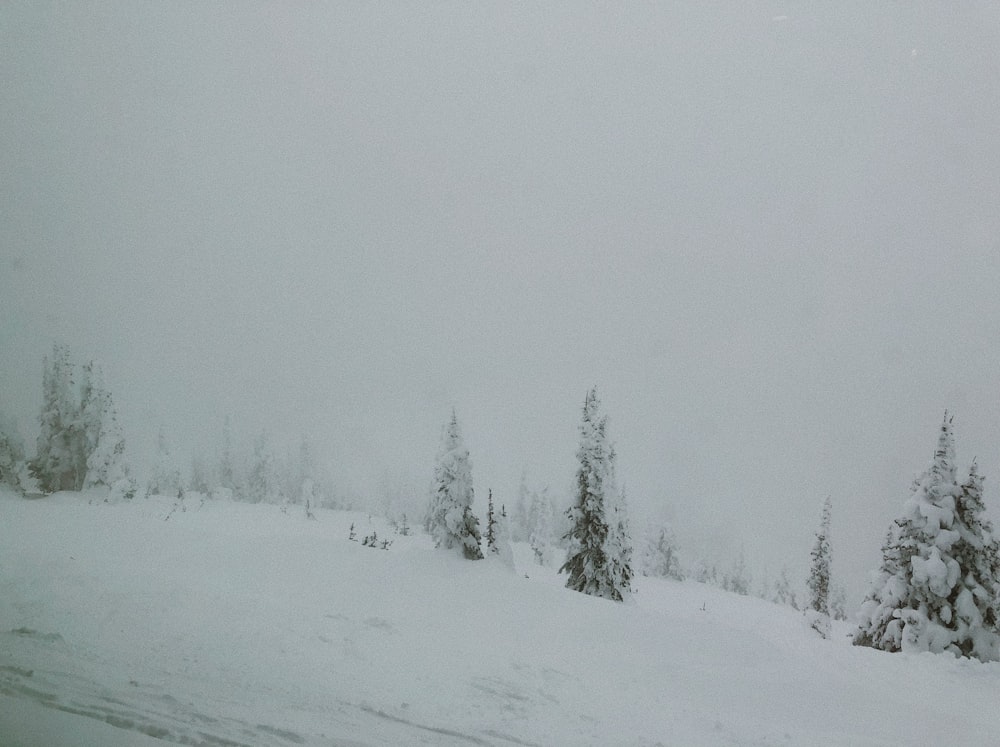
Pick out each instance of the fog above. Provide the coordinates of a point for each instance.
(768, 233)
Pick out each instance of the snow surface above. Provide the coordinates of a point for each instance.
(239, 624)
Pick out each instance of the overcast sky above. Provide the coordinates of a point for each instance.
(768, 232)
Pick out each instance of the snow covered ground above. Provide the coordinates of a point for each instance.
(232, 624)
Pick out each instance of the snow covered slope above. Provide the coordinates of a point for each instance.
(235, 624)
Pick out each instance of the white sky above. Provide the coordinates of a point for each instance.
(767, 231)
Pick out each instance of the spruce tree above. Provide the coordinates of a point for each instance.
(660, 559)
(818, 608)
(103, 436)
(975, 599)
(520, 520)
(598, 559)
(11, 452)
(491, 525)
(938, 574)
(449, 518)
(57, 466)
(540, 523)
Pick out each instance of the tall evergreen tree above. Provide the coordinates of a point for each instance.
(599, 551)
(166, 475)
(818, 608)
(520, 519)
(11, 452)
(936, 582)
(57, 465)
(540, 519)
(102, 434)
(227, 459)
(491, 524)
(975, 598)
(449, 518)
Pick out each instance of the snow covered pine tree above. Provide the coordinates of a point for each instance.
(818, 608)
(599, 557)
(449, 518)
(937, 587)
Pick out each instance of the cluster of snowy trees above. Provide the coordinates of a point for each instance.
(252, 472)
(80, 442)
(599, 548)
(938, 587)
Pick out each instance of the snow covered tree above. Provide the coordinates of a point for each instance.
(227, 460)
(783, 593)
(938, 575)
(598, 560)
(11, 452)
(501, 543)
(58, 465)
(975, 598)
(262, 480)
(450, 519)
(166, 475)
(838, 602)
(738, 579)
(491, 525)
(102, 434)
(520, 519)
(660, 558)
(818, 607)
(540, 516)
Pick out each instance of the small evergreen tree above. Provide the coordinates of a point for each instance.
(450, 519)
(599, 551)
(166, 476)
(818, 608)
(491, 525)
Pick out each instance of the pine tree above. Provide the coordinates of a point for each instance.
(502, 545)
(520, 520)
(540, 518)
(227, 462)
(56, 465)
(598, 558)
(491, 525)
(818, 608)
(660, 558)
(783, 593)
(450, 519)
(975, 599)
(166, 476)
(11, 452)
(938, 575)
(102, 434)
(262, 482)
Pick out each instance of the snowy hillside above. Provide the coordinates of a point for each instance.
(234, 624)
